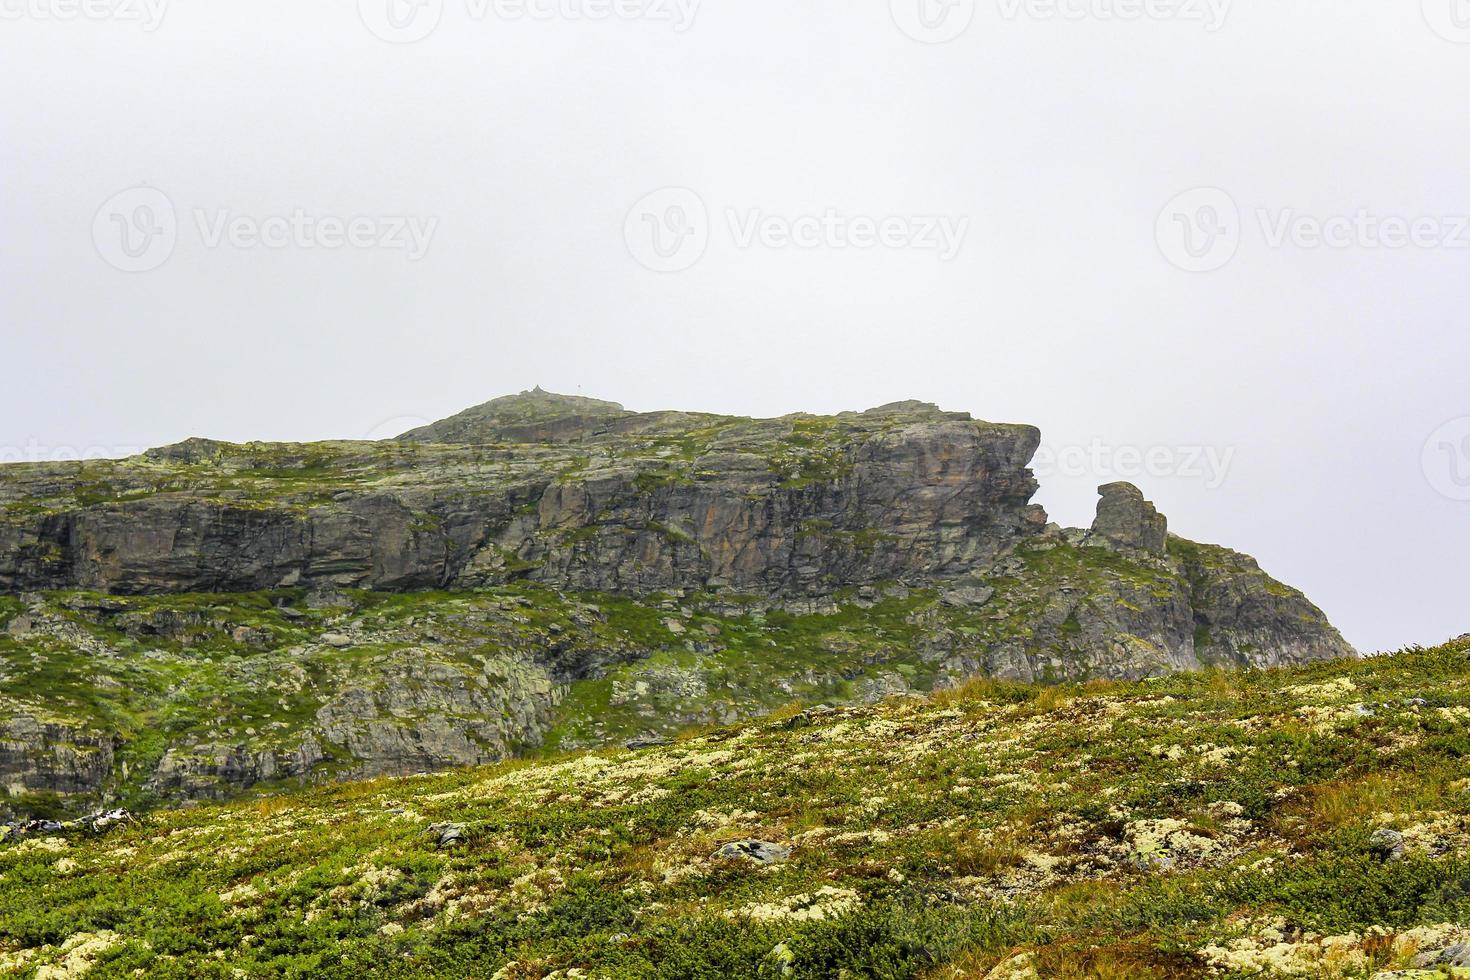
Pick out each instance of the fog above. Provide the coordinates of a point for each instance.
(1219, 249)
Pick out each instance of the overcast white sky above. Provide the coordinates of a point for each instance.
(994, 223)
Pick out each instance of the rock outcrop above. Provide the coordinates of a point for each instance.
(50, 760)
(532, 416)
(1125, 520)
(599, 499)
(546, 571)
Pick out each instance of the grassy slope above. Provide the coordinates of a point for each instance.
(204, 682)
(1213, 824)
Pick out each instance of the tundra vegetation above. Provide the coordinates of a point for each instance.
(1308, 821)
(554, 689)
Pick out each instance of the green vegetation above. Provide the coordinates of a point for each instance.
(718, 668)
(256, 691)
(1212, 824)
(1206, 562)
(210, 676)
(816, 451)
(291, 478)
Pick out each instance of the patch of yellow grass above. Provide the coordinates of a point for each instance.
(974, 689)
(1102, 688)
(1075, 902)
(1122, 962)
(973, 964)
(788, 710)
(270, 806)
(982, 856)
(1051, 699)
(1223, 682)
(1338, 804)
(1069, 962)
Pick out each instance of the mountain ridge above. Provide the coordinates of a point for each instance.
(209, 617)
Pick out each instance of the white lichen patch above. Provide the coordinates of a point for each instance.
(1167, 833)
(1326, 718)
(1332, 690)
(1433, 834)
(827, 902)
(1022, 966)
(1270, 947)
(239, 895)
(77, 955)
(16, 961)
(715, 819)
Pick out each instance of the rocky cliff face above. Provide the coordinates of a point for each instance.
(42, 757)
(618, 502)
(545, 570)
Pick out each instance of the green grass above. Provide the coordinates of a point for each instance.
(933, 839)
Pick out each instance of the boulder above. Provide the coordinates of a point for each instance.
(755, 851)
(1387, 844)
(646, 741)
(448, 834)
(1127, 521)
(1457, 955)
